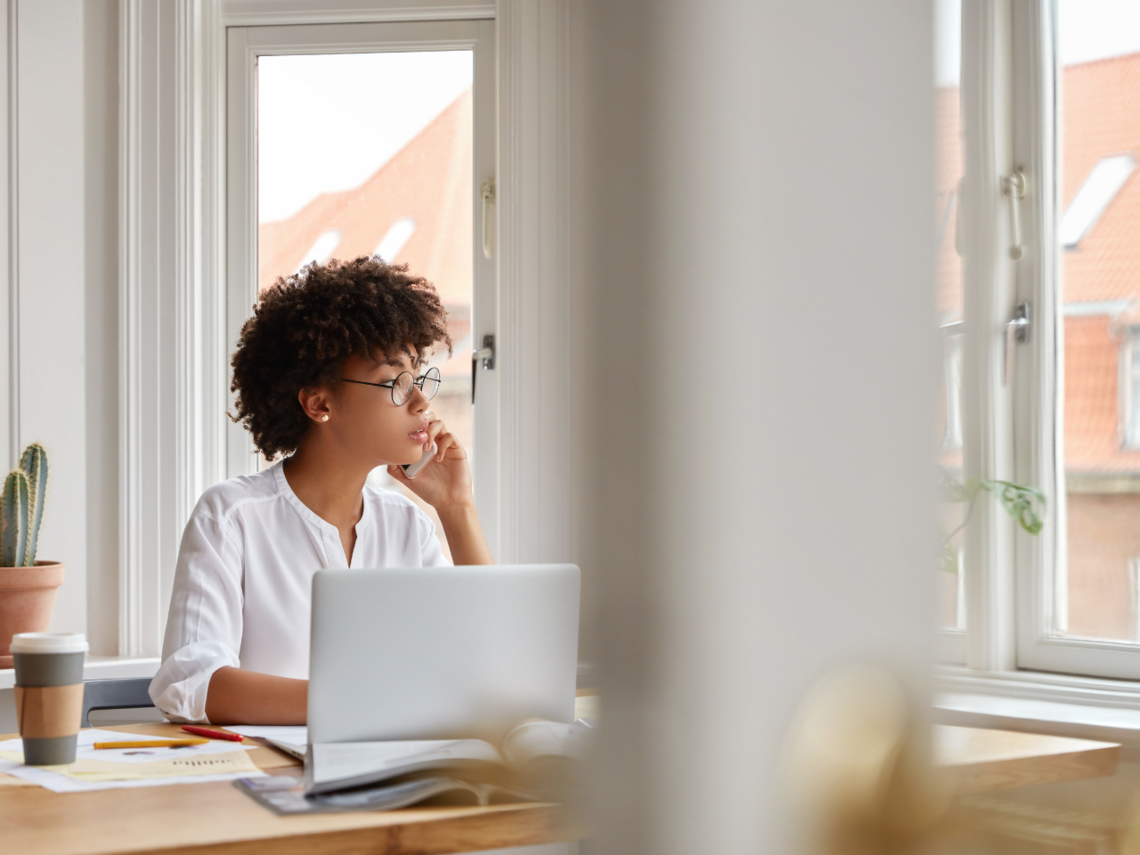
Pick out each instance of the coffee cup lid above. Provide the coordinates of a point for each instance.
(49, 642)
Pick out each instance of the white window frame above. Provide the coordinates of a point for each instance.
(1129, 385)
(245, 45)
(952, 386)
(1041, 561)
(174, 373)
(987, 643)
(1014, 580)
(1006, 87)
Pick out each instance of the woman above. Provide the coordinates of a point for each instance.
(328, 374)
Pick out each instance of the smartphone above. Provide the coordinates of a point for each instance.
(411, 470)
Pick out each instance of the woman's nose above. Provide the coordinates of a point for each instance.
(418, 402)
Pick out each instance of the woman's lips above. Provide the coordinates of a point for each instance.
(420, 436)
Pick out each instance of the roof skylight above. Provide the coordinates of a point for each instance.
(1095, 195)
(394, 239)
(321, 249)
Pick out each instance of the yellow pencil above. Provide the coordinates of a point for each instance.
(152, 743)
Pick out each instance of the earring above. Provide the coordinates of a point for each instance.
(325, 417)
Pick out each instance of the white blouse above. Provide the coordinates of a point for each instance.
(243, 583)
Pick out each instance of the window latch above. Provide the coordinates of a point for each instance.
(488, 193)
(1016, 332)
(485, 356)
(1013, 186)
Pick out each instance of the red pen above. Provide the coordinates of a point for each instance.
(215, 734)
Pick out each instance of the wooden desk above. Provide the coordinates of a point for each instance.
(985, 760)
(218, 819)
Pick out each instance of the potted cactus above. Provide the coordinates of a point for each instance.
(27, 586)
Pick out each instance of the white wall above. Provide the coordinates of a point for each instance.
(758, 298)
(49, 279)
(59, 360)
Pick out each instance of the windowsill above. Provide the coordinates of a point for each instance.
(1037, 702)
(99, 668)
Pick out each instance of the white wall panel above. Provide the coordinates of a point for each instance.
(50, 279)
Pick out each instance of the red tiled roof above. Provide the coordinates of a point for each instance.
(1092, 439)
(428, 181)
(1100, 116)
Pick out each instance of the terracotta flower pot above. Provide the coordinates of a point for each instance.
(27, 595)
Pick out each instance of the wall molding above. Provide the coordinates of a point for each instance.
(254, 13)
(171, 347)
(131, 541)
(199, 207)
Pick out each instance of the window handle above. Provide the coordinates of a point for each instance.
(1013, 186)
(488, 191)
(486, 356)
(1016, 332)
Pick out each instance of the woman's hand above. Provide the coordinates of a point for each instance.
(446, 481)
(445, 484)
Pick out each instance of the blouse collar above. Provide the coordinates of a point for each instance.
(285, 490)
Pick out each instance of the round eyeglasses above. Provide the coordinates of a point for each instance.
(404, 383)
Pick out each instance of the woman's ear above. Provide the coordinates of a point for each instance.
(315, 403)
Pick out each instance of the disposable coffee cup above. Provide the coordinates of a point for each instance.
(49, 694)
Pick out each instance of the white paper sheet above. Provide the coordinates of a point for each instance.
(298, 735)
(56, 782)
(84, 747)
(291, 739)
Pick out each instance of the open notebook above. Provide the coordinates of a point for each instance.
(536, 760)
(292, 740)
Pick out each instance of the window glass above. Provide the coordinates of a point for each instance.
(949, 169)
(1098, 78)
(371, 153)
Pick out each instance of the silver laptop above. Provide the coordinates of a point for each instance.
(441, 652)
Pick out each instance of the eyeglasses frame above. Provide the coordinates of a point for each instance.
(417, 382)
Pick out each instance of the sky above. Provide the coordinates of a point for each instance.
(1086, 30)
(327, 122)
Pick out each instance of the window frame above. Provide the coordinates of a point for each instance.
(173, 387)
(988, 641)
(1128, 384)
(245, 45)
(1015, 583)
(1039, 423)
(1042, 560)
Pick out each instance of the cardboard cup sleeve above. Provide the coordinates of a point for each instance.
(50, 711)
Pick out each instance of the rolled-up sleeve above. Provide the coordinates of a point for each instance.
(431, 554)
(204, 627)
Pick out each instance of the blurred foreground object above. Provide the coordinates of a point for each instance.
(859, 768)
(758, 374)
